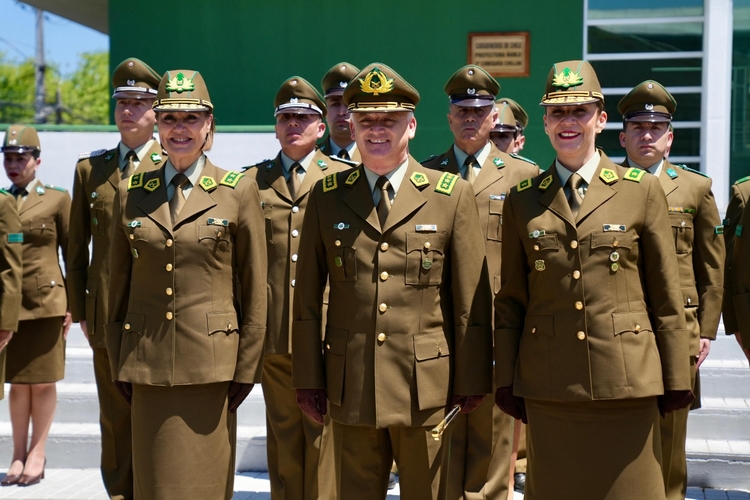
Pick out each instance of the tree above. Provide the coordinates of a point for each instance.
(86, 94)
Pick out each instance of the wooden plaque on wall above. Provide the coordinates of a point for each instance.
(501, 54)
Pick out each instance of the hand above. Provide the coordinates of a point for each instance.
(468, 403)
(510, 404)
(312, 402)
(67, 322)
(84, 328)
(125, 389)
(237, 394)
(705, 348)
(674, 400)
(5, 336)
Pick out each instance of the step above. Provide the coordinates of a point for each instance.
(714, 463)
(720, 418)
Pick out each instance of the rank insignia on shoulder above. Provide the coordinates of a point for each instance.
(426, 228)
(738, 231)
(618, 228)
(446, 183)
(419, 179)
(56, 188)
(498, 162)
(719, 230)
(523, 185)
(546, 182)
(671, 173)
(744, 179)
(40, 190)
(635, 174)
(156, 158)
(231, 179)
(3, 191)
(91, 154)
(212, 221)
(536, 233)
(341, 226)
(685, 167)
(330, 183)
(608, 176)
(352, 178)
(207, 183)
(522, 158)
(134, 223)
(497, 197)
(444, 162)
(135, 181)
(152, 185)
(15, 237)
(323, 165)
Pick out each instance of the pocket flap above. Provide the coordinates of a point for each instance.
(430, 346)
(218, 233)
(140, 233)
(635, 322)
(496, 206)
(547, 242)
(539, 325)
(689, 296)
(41, 224)
(426, 241)
(336, 340)
(612, 239)
(681, 220)
(222, 322)
(48, 281)
(134, 323)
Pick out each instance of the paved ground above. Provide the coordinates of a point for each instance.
(85, 484)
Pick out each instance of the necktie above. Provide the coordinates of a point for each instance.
(574, 198)
(130, 165)
(469, 174)
(384, 205)
(343, 154)
(19, 193)
(178, 198)
(293, 182)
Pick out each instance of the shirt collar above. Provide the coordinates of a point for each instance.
(335, 148)
(193, 172)
(395, 176)
(587, 171)
(480, 155)
(287, 162)
(140, 152)
(655, 169)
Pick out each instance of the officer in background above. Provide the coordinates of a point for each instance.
(409, 310)
(11, 269)
(737, 202)
(522, 121)
(505, 132)
(698, 235)
(293, 442)
(339, 142)
(478, 465)
(738, 287)
(94, 187)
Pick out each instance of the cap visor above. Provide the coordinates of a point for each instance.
(473, 103)
(649, 117)
(134, 93)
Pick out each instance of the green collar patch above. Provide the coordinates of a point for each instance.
(323, 165)
(180, 84)
(40, 190)
(156, 158)
(671, 173)
(330, 183)
(635, 174)
(152, 185)
(231, 179)
(419, 179)
(608, 176)
(524, 185)
(567, 78)
(685, 167)
(208, 183)
(522, 158)
(56, 188)
(744, 179)
(498, 162)
(109, 156)
(135, 181)
(3, 191)
(446, 183)
(353, 178)
(546, 183)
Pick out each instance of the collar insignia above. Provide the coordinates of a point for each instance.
(40, 190)
(207, 183)
(444, 162)
(376, 83)
(419, 179)
(671, 173)
(546, 183)
(498, 162)
(608, 176)
(180, 84)
(152, 185)
(567, 78)
(323, 165)
(352, 178)
(156, 158)
(109, 156)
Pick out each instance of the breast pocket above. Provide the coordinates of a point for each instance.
(425, 253)
(615, 248)
(341, 253)
(539, 245)
(42, 226)
(682, 231)
(495, 219)
(214, 237)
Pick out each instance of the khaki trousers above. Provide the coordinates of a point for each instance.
(114, 421)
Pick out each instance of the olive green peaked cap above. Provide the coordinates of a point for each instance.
(518, 112)
(649, 101)
(338, 77)
(182, 90)
(378, 88)
(134, 79)
(572, 82)
(472, 86)
(297, 95)
(21, 138)
(506, 122)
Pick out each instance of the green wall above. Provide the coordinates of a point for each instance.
(245, 49)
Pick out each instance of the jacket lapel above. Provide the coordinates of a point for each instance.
(276, 180)
(490, 172)
(667, 183)
(359, 199)
(315, 172)
(554, 198)
(32, 199)
(199, 200)
(598, 191)
(156, 206)
(408, 199)
(112, 167)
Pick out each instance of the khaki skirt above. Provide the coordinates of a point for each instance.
(36, 353)
(604, 450)
(184, 442)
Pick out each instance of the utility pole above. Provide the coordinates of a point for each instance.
(40, 115)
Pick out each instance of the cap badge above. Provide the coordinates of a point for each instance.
(12, 142)
(13, 132)
(567, 78)
(650, 86)
(343, 84)
(650, 107)
(180, 84)
(131, 82)
(293, 100)
(471, 72)
(471, 91)
(376, 83)
(130, 64)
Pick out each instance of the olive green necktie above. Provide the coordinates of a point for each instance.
(574, 198)
(130, 165)
(469, 174)
(178, 198)
(384, 204)
(293, 182)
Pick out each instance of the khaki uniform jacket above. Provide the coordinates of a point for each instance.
(499, 173)
(94, 189)
(327, 149)
(283, 222)
(569, 327)
(740, 283)
(174, 316)
(737, 202)
(44, 220)
(11, 264)
(410, 306)
(697, 233)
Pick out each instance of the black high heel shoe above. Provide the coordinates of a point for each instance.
(25, 480)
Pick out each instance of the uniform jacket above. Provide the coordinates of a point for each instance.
(44, 220)
(283, 223)
(590, 310)
(11, 265)
(94, 189)
(499, 173)
(327, 149)
(699, 242)
(740, 282)
(409, 312)
(737, 201)
(174, 316)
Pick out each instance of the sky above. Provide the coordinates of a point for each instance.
(64, 40)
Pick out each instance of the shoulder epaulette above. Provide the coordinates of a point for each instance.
(432, 157)
(744, 179)
(330, 183)
(258, 165)
(524, 184)
(634, 174)
(3, 191)
(446, 183)
(231, 179)
(522, 158)
(685, 167)
(90, 154)
(56, 188)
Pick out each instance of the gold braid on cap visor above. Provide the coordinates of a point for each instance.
(381, 106)
(178, 104)
(571, 96)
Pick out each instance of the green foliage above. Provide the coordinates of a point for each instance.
(86, 93)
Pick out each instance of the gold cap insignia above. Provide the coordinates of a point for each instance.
(376, 83)
(180, 84)
(567, 78)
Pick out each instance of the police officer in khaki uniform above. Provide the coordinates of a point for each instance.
(737, 201)
(185, 348)
(339, 142)
(522, 121)
(11, 268)
(590, 337)
(479, 460)
(698, 235)
(738, 287)
(293, 442)
(503, 134)
(94, 186)
(409, 310)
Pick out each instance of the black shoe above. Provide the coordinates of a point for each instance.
(519, 480)
(392, 480)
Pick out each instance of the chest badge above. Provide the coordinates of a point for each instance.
(539, 265)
